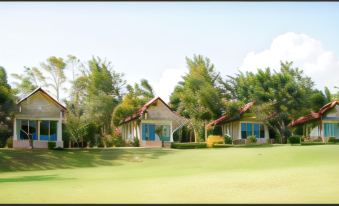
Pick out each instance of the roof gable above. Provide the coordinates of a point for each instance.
(46, 95)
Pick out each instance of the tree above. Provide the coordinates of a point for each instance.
(197, 97)
(280, 96)
(28, 81)
(6, 108)
(55, 68)
(136, 97)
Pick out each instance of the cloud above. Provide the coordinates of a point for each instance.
(166, 83)
(306, 53)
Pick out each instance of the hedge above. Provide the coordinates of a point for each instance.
(51, 145)
(312, 143)
(191, 145)
(222, 145)
(294, 139)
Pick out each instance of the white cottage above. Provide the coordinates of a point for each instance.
(241, 125)
(151, 124)
(323, 124)
(38, 120)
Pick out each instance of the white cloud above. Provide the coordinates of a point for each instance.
(166, 83)
(306, 53)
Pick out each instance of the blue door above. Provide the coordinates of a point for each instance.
(148, 132)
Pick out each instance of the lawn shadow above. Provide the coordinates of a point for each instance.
(43, 159)
(32, 178)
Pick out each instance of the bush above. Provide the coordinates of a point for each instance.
(51, 145)
(9, 142)
(135, 142)
(294, 139)
(191, 145)
(214, 139)
(118, 141)
(222, 145)
(251, 139)
(58, 148)
(332, 140)
(239, 141)
(312, 143)
(227, 139)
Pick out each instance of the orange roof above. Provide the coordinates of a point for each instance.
(226, 117)
(141, 110)
(314, 115)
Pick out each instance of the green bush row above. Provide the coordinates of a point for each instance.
(222, 145)
(191, 145)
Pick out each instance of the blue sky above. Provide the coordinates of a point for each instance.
(151, 39)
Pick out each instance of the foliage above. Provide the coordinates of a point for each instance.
(51, 145)
(294, 139)
(214, 139)
(227, 139)
(280, 96)
(55, 68)
(332, 140)
(222, 145)
(135, 142)
(9, 142)
(136, 97)
(312, 143)
(251, 139)
(191, 145)
(197, 97)
(6, 108)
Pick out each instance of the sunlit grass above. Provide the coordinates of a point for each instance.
(278, 174)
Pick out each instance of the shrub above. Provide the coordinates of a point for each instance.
(222, 145)
(331, 140)
(191, 145)
(118, 141)
(239, 141)
(51, 145)
(227, 139)
(214, 139)
(9, 142)
(58, 148)
(294, 139)
(135, 142)
(251, 139)
(312, 143)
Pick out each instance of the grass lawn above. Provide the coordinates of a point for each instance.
(277, 174)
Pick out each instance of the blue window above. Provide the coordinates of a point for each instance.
(249, 129)
(331, 130)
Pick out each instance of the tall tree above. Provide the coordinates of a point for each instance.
(197, 96)
(279, 95)
(29, 80)
(55, 69)
(133, 100)
(6, 107)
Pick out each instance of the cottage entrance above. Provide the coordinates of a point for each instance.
(155, 132)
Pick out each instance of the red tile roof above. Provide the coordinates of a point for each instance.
(314, 115)
(141, 110)
(226, 117)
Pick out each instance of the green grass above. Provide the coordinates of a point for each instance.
(276, 174)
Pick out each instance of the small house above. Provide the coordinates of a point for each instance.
(323, 123)
(38, 120)
(153, 124)
(241, 125)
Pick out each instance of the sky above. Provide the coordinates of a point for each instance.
(152, 39)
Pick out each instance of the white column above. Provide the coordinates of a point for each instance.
(171, 140)
(14, 130)
(59, 142)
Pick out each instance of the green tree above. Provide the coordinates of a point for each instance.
(136, 97)
(280, 96)
(29, 80)
(6, 108)
(198, 96)
(55, 69)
